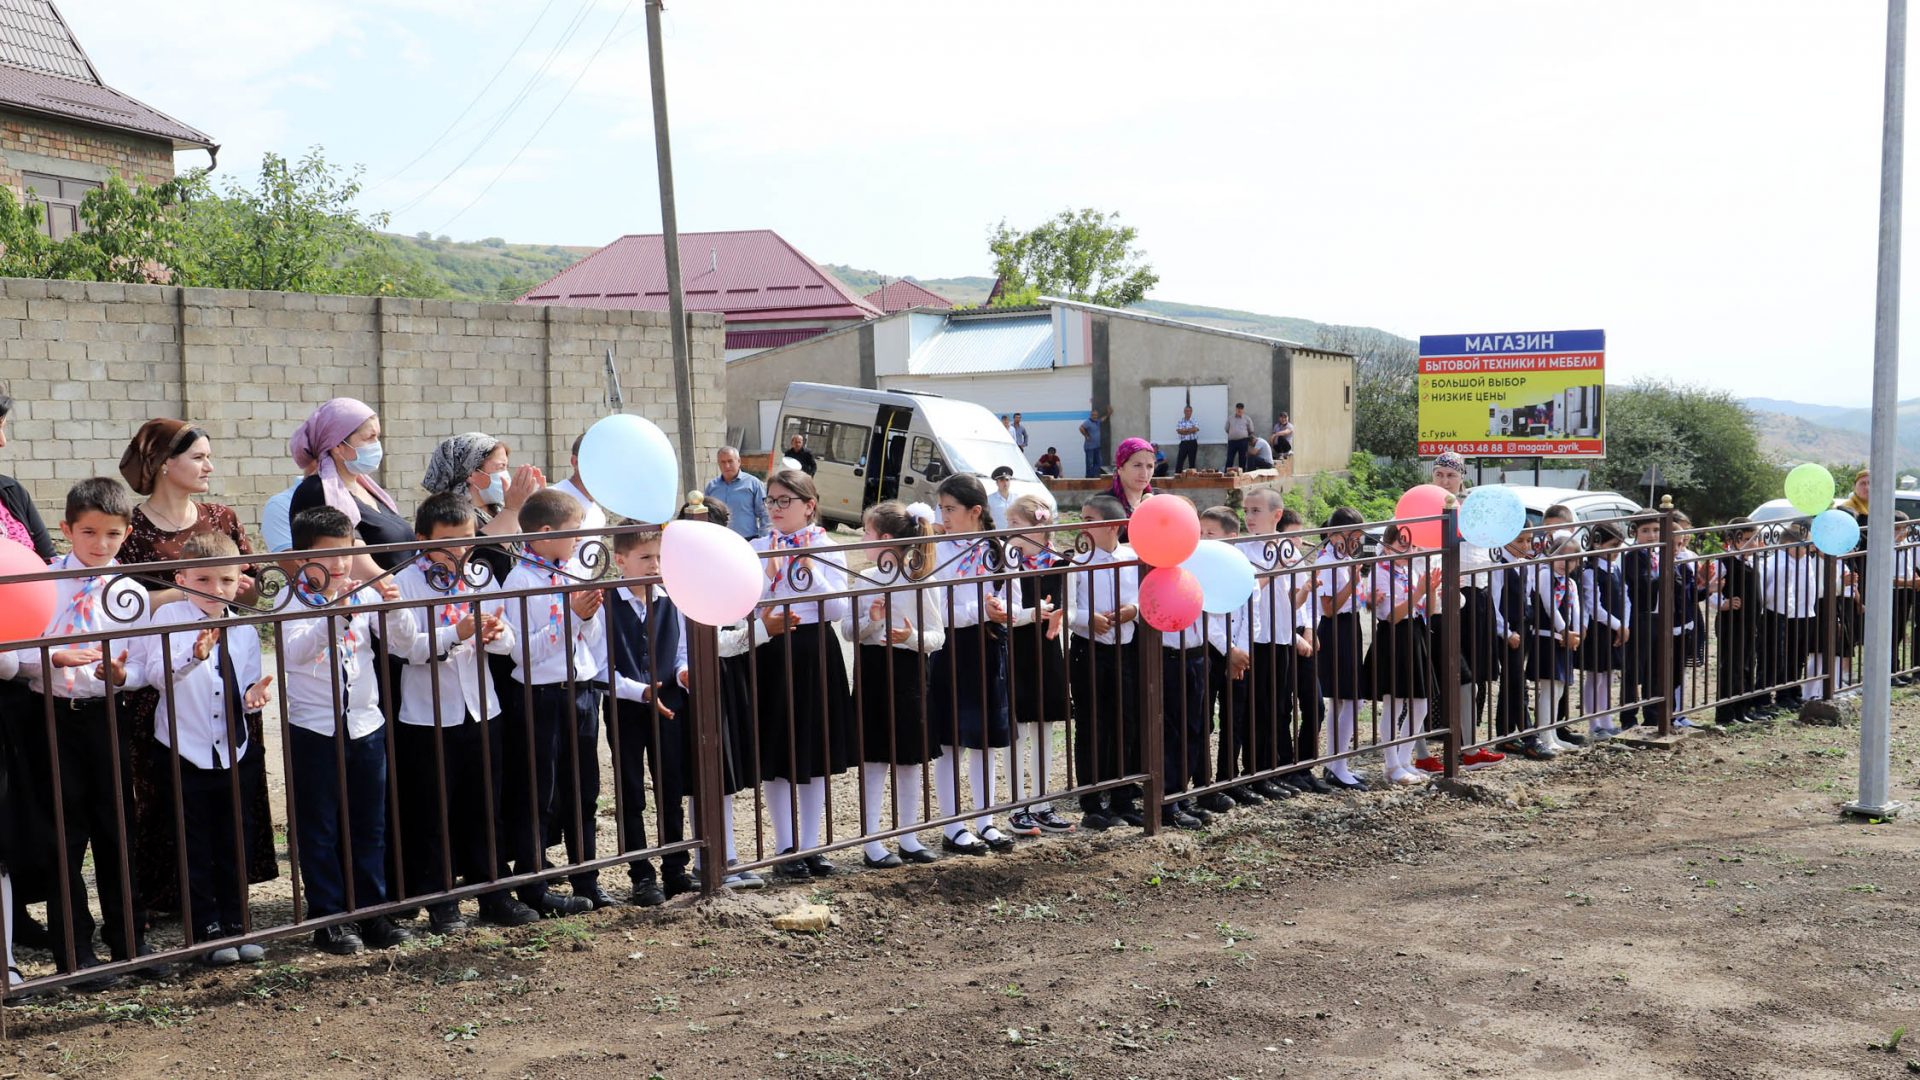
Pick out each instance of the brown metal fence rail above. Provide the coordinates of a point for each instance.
(978, 686)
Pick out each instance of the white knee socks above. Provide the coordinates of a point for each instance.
(906, 787)
(906, 781)
(6, 907)
(1595, 698)
(780, 810)
(1548, 695)
(1030, 773)
(1815, 688)
(980, 770)
(1340, 736)
(813, 810)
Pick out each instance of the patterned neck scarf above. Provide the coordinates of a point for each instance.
(450, 614)
(777, 569)
(973, 561)
(1044, 559)
(80, 613)
(1560, 593)
(349, 636)
(556, 571)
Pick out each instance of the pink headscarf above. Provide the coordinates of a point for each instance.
(1128, 448)
(329, 426)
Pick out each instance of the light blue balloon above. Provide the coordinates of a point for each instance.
(630, 468)
(1225, 576)
(1492, 516)
(1836, 532)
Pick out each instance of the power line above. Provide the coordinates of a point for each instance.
(501, 70)
(543, 123)
(566, 37)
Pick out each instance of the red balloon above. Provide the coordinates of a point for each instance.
(1170, 599)
(1427, 500)
(26, 607)
(1164, 530)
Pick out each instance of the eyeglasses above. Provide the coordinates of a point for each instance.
(781, 502)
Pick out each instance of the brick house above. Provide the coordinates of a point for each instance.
(63, 130)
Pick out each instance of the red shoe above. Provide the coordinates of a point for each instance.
(1480, 758)
(1430, 764)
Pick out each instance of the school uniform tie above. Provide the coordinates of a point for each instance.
(78, 618)
(236, 708)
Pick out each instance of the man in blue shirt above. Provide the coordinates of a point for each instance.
(744, 494)
(1091, 445)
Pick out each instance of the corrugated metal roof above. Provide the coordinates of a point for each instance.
(771, 339)
(901, 295)
(986, 347)
(751, 272)
(43, 70)
(34, 37)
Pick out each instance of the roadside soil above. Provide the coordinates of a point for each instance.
(1702, 912)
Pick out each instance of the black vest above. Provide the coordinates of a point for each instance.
(644, 653)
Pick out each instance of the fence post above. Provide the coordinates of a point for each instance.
(1663, 673)
(1453, 612)
(1830, 616)
(1153, 750)
(709, 739)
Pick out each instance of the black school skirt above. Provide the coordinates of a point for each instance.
(968, 689)
(1480, 653)
(1548, 658)
(893, 706)
(1399, 663)
(738, 769)
(1339, 657)
(1597, 650)
(1039, 675)
(813, 736)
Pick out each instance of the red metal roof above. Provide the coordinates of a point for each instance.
(43, 70)
(901, 295)
(751, 274)
(771, 339)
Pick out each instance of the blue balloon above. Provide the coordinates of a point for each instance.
(630, 468)
(1836, 532)
(1225, 576)
(1492, 516)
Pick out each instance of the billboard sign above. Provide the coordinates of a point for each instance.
(1536, 394)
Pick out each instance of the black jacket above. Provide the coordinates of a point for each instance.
(20, 505)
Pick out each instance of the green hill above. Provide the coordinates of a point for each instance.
(489, 269)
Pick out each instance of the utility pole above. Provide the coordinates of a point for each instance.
(670, 246)
(1877, 683)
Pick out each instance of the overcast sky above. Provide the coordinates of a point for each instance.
(1698, 179)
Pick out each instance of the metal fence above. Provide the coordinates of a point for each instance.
(440, 739)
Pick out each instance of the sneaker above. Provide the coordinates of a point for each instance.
(252, 954)
(1050, 821)
(745, 879)
(1480, 758)
(1022, 823)
(226, 957)
(338, 940)
(1431, 764)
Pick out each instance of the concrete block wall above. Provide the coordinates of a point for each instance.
(88, 363)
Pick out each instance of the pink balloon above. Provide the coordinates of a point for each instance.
(1164, 530)
(27, 607)
(1170, 599)
(1427, 500)
(711, 572)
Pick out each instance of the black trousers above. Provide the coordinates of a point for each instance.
(1106, 718)
(1738, 673)
(540, 796)
(88, 756)
(1183, 711)
(638, 743)
(1510, 715)
(1638, 676)
(1237, 453)
(1188, 455)
(216, 870)
(436, 859)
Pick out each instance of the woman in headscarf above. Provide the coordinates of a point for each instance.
(1132, 476)
(341, 440)
(478, 464)
(170, 461)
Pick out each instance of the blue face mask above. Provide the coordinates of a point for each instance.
(366, 460)
(496, 493)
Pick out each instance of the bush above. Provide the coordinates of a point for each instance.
(1368, 487)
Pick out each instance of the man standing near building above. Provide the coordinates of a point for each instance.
(1091, 445)
(1189, 431)
(1239, 435)
(744, 494)
(1019, 431)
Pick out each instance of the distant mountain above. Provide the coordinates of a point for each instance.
(489, 269)
(1834, 435)
(1818, 413)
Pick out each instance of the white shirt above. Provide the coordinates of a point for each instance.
(969, 600)
(314, 648)
(591, 516)
(462, 675)
(1279, 604)
(997, 505)
(826, 572)
(197, 705)
(1501, 557)
(1791, 586)
(628, 689)
(551, 635)
(1595, 605)
(1335, 578)
(1110, 589)
(1187, 428)
(1394, 585)
(276, 519)
(918, 610)
(89, 616)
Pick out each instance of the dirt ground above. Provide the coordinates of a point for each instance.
(1702, 913)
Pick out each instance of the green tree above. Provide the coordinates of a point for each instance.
(128, 234)
(1704, 442)
(1078, 255)
(297, 230)
(1386, 397)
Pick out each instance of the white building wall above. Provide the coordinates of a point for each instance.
(1052, 403)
